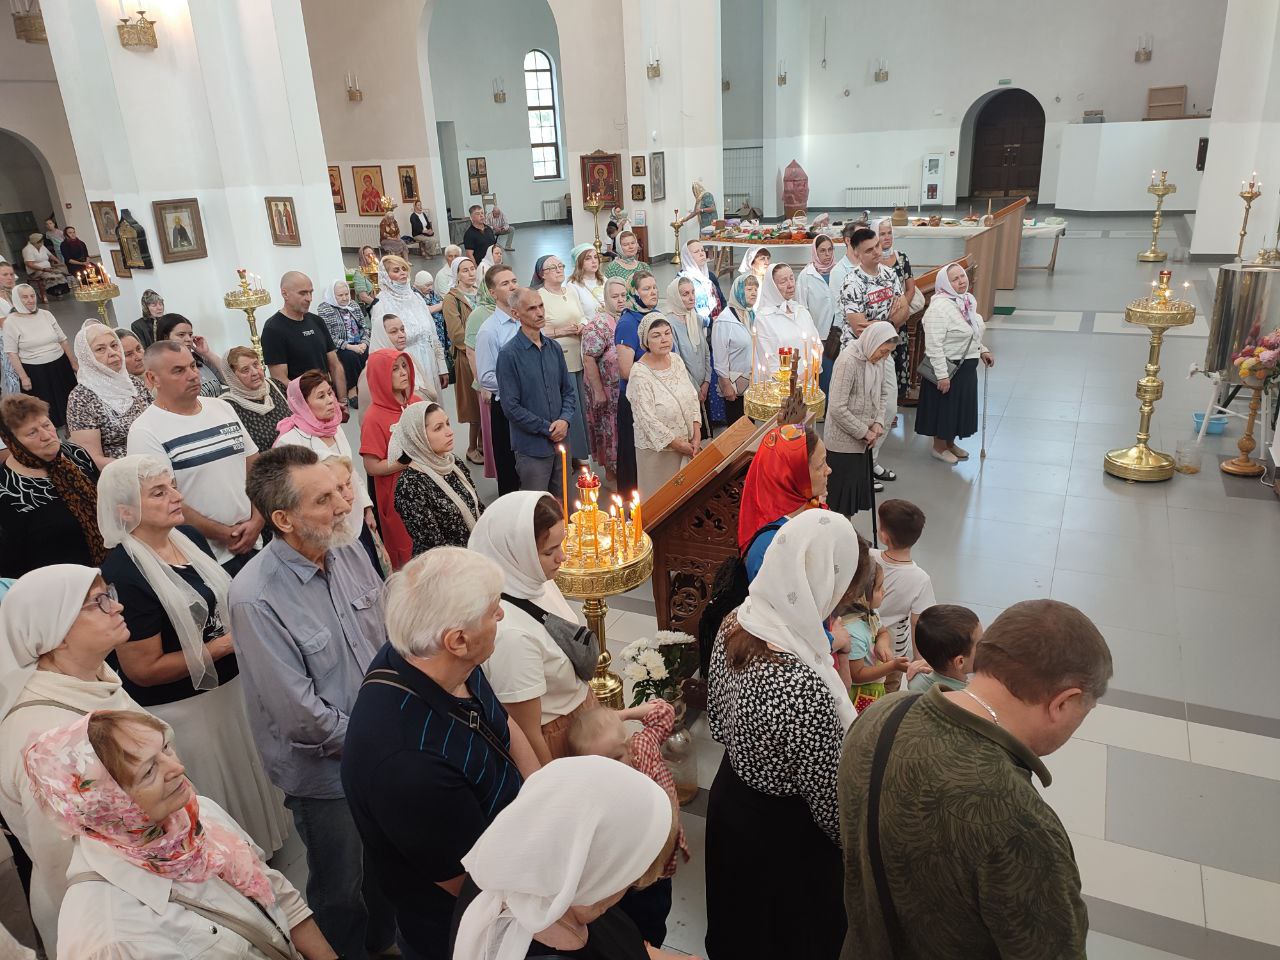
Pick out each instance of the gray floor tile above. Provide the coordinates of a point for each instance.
(1110, 601)
(1003, 474)
(1017, 506)
(1096, 484)
(1009, 446)
(1149, 664)
(1230, 656)
(1209, 526)
(986, 581)
(1193, 812)
(1099, 946)
(1001, 540)
(1137, 521)
(1112, 556)
(1061, 431)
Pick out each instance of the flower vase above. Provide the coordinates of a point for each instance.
(682, 759)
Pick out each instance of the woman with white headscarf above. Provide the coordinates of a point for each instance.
(781, 710)
(434, 496)
(782, 320)
(107, 400)
(180, 662)
(349, 328)
(546, 875)
(755, 261)
(397, 298)
(691, 336)
(533, 676)
(709, 302)
(39, 353)
(57, 626)
(953, 331)
(858, 414)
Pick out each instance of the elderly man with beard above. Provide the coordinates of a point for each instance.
(307, 615)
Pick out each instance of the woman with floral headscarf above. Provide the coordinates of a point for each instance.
(107, 400)
(155, 864)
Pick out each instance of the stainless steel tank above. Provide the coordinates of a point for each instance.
(1246, 307)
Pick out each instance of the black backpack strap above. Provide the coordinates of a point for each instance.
(528, 606)
(879, 760)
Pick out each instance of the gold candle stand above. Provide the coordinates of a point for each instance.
(764, 398)
(98, 291)
(1158, 312)
(1248, 195)
(676, 224)
(248, 299)
(1244, 465)
(1159, 190)
(595, 204)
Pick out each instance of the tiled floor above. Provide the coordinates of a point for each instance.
(1171, 788)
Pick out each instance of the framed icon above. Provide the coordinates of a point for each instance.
(118, 266)
(283, 219)
(658, 176)
(336, 191)
(637, 166)
(369, 190)
(602, 177)
(180, 230)
(408, 177)
(637, 191)
(106, 219)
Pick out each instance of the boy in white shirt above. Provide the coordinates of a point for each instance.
(908, 591)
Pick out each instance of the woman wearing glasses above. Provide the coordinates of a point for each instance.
(57, 626)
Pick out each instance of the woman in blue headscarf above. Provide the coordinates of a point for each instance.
(643, 299)
(731, 344)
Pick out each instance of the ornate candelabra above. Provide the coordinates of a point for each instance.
(1244, 465)
(138, 34)
(1157, 312)
(1159, 190)
(606, 554)
(96, 287)
(1249, 192)
(595, 203)
(249, 296)
(676, 224)
(767, 393)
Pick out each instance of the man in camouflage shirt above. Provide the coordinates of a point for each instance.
(976, 864)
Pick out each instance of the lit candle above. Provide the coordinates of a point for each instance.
(1153, 177)
(637, 529)
(595, 533)
(613, 530)
(564, 481)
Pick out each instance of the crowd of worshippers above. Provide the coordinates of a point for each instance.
(216, 634)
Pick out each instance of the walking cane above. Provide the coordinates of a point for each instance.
(986, 372)
(871, 479)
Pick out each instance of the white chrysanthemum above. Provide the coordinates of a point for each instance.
(636, 673)
(652, 661)
(632, 650)
(665, 638)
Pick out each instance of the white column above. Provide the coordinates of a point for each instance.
(224, 111)
(1244, 133)
(786, 48)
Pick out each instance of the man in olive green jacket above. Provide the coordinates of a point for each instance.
(967, 861)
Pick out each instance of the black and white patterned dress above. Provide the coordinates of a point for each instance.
(430, 517)
(902, 352)
(772, 821)
(86, 411)
(36, 527)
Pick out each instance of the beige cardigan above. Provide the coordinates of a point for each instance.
(850, 412)
(946, 333)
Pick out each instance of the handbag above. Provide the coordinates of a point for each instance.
(578, 643)
(926, 367)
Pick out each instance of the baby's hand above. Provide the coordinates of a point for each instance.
(917, 667)
(900, 664)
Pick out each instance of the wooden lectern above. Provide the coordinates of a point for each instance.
(925, 283)
(1008, 244)
(693, 522)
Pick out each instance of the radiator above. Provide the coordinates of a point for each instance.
(357, 235)
(554, 209)
(868, 198)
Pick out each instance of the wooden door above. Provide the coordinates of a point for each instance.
(1008, 144)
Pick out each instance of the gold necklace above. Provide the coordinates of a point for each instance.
(985, 706)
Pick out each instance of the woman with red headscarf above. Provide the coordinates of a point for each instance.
(389, 375)
(788, 475)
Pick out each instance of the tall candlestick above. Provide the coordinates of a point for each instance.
(636, 527)
(613, 531)
(564, 482)
(577, 523)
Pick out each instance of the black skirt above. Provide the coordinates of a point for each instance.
(849, 487)
(954, 413)
(775, 883)
(52, 382)
(628, 472)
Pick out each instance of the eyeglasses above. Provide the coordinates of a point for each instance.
(552, 267)
(105, 600)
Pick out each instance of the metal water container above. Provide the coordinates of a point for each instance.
(1246, 307)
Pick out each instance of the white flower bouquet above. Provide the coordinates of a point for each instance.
(653, 665)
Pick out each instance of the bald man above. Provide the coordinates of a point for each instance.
(295, 340)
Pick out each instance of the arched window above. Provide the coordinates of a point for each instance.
(540, 95)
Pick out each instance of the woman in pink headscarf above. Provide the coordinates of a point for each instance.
(153, 862)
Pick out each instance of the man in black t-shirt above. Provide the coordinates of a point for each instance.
(294, 340)
(479, 236)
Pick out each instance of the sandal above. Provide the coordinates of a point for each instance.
(877, 486)
(884, 473)
(476, 457)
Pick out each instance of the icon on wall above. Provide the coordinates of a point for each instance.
(601, 177)
(335, 190)
(369, 190)
(408, 176)
(105, 219)
(637, 191)
(658, 176)
(180, 229)
(637, 166)
(118, 266)
(284, 222)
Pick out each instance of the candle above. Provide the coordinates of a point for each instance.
(637, 530)
(577, 525)
(564, 481)
(613, 531)
(595, 534)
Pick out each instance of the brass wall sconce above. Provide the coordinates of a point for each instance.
(354, 93)
(653, 69)
(724, 86)
(882, 72)
(137, 34)
(782, 73)
(1143, 53)
(499, 90)
(29, 24)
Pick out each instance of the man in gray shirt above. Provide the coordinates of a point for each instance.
(307, 616)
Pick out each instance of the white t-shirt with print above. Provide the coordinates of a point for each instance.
(871, 296)
(907, 590)
(527, 663)
(208, 452)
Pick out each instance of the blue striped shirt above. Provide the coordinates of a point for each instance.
(423, 784)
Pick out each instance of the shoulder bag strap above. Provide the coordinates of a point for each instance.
(235, 924)
(43, 703)
(879, 760)
(528, 606)
(472, 718)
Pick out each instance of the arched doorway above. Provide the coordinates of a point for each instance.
(1008, 144)
(24, 193)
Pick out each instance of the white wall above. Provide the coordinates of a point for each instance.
(742, 54)
(1107, 166)
(1071, 57)
(470, 43)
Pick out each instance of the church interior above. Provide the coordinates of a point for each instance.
(1087, 158)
